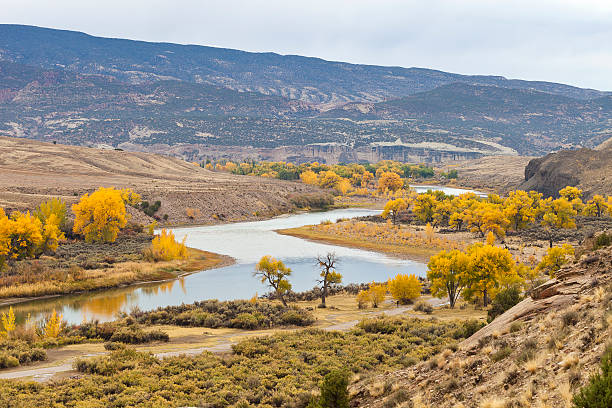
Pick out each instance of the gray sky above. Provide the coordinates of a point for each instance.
(567, 41)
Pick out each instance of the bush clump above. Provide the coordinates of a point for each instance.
(598, 392)
(240, 314)
(15, 352)
(313, 200)
(504, 300)
(278, 370)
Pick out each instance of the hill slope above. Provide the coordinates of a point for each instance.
(31, 172)
(197, 102)
(537, 354)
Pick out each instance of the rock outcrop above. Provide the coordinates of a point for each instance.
(589, 169)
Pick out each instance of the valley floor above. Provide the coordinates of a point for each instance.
(341, 314)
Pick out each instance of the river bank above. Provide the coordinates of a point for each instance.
(122, 274)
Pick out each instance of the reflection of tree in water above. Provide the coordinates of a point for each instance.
(106, 307)
(93, 305)
(157, 288)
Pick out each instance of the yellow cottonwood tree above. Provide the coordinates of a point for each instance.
(101, 215)
(519, 210)
(448, 274)
(557, 214)
(309, 177)
(554, 259)
(390, 181)
(377, 293)
(329, 179)
(425, 207)
(393, 208)
(21, 235)
(404, 288)
(596, 206)
(274, 273)
(489, 269)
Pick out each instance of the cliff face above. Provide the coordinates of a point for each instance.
(590, 170)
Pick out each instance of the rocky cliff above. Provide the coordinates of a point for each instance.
(588, 169)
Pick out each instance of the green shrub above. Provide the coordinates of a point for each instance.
(570, 318)
(598, 392)
(422, 306)
(504, 300)
(135, 335)
(334, 390)
(236, 313)
(603, 240)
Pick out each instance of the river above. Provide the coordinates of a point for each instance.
(247, 242)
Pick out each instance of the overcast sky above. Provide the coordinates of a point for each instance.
(567, 41)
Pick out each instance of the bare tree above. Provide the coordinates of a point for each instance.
(329, 275)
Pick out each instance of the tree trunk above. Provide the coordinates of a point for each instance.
(485, 298)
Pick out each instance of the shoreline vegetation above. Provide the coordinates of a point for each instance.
(399, 249)
(121, 275)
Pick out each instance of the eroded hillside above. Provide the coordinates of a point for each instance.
(31, 172)
(537, 354)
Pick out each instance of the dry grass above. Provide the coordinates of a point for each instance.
(376, 389)
(493, 402)
(123, 273)
(402, 249)
(569, 361)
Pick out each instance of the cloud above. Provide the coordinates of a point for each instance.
(563, 40)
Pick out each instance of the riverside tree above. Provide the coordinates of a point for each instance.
(329, 275)
(448, 274)
(490, 269)
(557, 214)
(274, 273)
(100, 216)
(393, 208)
(404, 288)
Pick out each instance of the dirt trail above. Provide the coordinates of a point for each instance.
(46, 371)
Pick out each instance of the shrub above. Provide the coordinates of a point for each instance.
(603, 240)
(501, 353)
(165, 248)
(334, 390)
(135, 335)
(313, 200)
(424, 307)
(214, 314)
(598, 392)
(504, 300)
(570, 318)
(405, 288)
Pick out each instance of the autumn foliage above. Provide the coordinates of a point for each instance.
(404, 288)
(100, 216)
(164, 247)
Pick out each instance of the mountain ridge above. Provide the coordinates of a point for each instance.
(332, 81)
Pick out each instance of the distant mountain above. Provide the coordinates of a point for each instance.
(193, 100)
(309, 79)
(526, 120)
